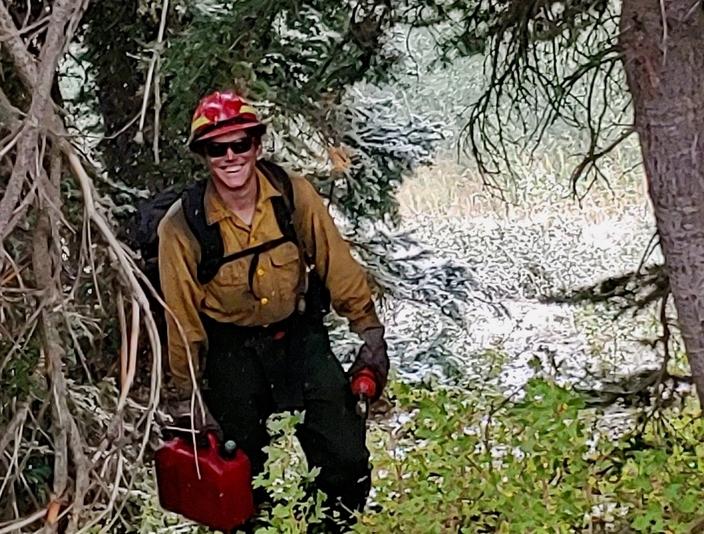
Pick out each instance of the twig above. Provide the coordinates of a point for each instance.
(17, 525)
(155, 54)
(17, 420)
(157, 110)
(132, 358)
(665, 339)
(113, 497)
(129, 271)
(663, 14)
(83, 468)
(19, 212)
(14, 45)
(11, 144)
(15, 455)
(649, 249)
(77, 346)
(589, 161)
(124, 350)
(44, 21)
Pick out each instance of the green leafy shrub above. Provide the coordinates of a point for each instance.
(288, 481)
(449, 461)
(538, 465)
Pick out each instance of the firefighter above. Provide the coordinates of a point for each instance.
(254, 330)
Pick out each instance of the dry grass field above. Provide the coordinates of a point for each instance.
(448, 188)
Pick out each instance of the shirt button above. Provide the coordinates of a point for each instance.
(260, 272)
(264, 300)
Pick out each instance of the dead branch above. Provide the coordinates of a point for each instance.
(17, 525)
(25, 64)
(594, 155)
(17, 420)
(129, 272)
(43, 258)
(156, 54)
(132, 357)
(124, 351)
(9, 114)
(62, 12)
(83, 468)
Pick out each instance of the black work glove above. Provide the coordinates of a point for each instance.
(180, 412)
(372, 356)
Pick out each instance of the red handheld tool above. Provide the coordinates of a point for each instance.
(363, 388)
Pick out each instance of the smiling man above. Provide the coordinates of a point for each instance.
(249, 262)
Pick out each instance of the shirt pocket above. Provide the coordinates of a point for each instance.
(229, 291)
(285, 267)
(234, 273)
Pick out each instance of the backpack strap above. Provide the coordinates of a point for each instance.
(212, 248)
(284, 208)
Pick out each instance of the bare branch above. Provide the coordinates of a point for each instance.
(11, 40)
(593, 156)
(150, 74)
(15, 526)
(53, 349)
(41, 81)
(16, 421)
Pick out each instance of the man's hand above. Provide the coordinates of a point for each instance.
(371, 357)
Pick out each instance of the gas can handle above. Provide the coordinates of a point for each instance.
(212, 442)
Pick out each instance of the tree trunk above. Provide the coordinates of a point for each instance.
(664, 65)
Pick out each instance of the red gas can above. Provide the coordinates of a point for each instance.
(221, 498)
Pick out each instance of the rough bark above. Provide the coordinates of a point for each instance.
(662, 53)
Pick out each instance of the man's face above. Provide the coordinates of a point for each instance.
(232, 158)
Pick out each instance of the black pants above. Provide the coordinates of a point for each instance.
(253, 372)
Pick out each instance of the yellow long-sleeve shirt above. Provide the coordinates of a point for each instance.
(227, 298)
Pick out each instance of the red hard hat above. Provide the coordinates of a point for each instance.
(222, 112)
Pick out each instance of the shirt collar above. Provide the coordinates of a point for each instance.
(215, 208)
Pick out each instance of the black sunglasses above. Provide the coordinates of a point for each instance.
(218, 150)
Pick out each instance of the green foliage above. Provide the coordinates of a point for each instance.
(450, 460)
(20, 378)
(289, 53)
(38, 475)
(386, 141)
(296, 59)
(296, 504)
(534, 466)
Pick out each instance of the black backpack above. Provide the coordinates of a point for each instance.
(313, 296)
